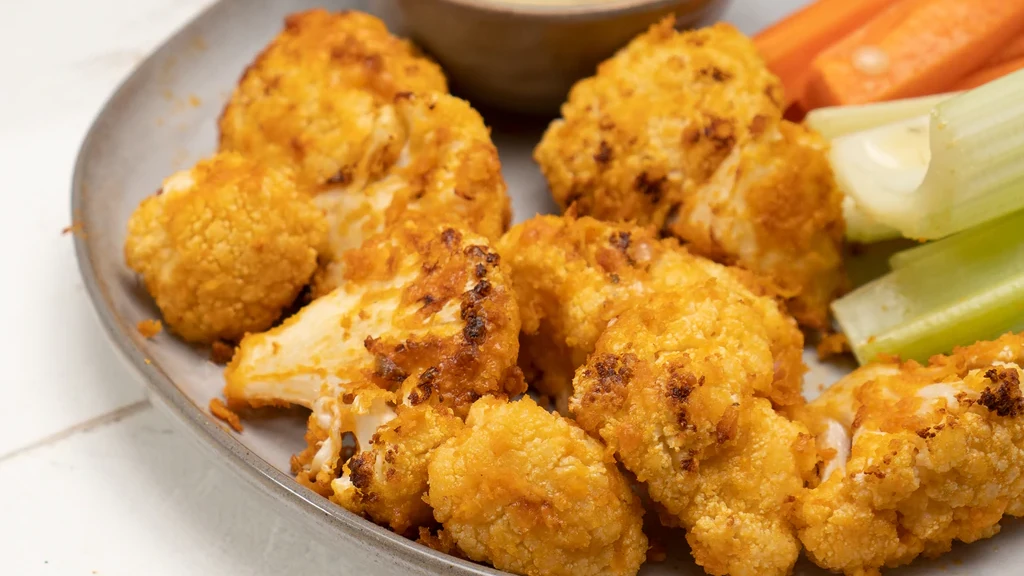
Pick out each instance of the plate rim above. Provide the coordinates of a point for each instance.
(217, 443)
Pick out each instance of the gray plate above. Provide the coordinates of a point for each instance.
(162, 119)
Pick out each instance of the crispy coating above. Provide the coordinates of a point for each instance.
(685, 131)
(531, 493)
(224, 247)
(441, 540)
(428, 313)
(916, 457)
(449, 174)
(387, 480)
(317, 97)
(369, 126)
(671, 389)
(572, 276)
(339, 426)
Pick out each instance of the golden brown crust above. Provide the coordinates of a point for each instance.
(574, 275)
(932, 455)
(312, 98)
(450, 175)
(531, 493)
(440, 540)
(671, 389)
(371, 131)
(684, 131)
(426, 312)
(389, 477)
(225, 247)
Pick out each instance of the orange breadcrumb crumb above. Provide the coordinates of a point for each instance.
(221, 352)
(149, 328)
(75, 228)
(225, 414)
(834, 344)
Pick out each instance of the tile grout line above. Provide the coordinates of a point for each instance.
(89, 425)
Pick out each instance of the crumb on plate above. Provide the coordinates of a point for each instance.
(149, 328)
(221, 352)
(75, 228)
(221, 412)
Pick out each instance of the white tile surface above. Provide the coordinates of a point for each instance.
(60, 61)
(135, 498)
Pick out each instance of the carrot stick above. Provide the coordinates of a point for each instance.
(913, 48)
(989, 73)
(1012, 51)
(789, 45)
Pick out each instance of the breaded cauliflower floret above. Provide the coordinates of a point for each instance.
(670, 389)
(427, 313)
(916, 457)
(684, 130)
(387, 480)
(532, 494)
(224, 247)
(572, 276)
(371, 130)
(316, 97)
(448, 173)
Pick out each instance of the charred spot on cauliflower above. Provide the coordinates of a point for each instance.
(916, 458)
(378, 329)
(387, 480)
(573, 276)
(684, 131)
(315, 97)
(672, 389)
(448, 173)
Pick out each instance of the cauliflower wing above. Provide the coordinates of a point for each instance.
(916, 457)
(318, 97)
(671, 388)
(447, 173)
(685, 131)
(225, 247)
(572, 276)
(531, 493)
(371, 130)
(427, 313)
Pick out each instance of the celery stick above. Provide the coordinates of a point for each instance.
(883, 162)
(960, 290)
(861, 228)
(981, 239)
(836, 121)
(975, 172)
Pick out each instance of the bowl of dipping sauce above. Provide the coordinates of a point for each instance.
(525, 55)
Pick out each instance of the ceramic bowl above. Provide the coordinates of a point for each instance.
(524, 55)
